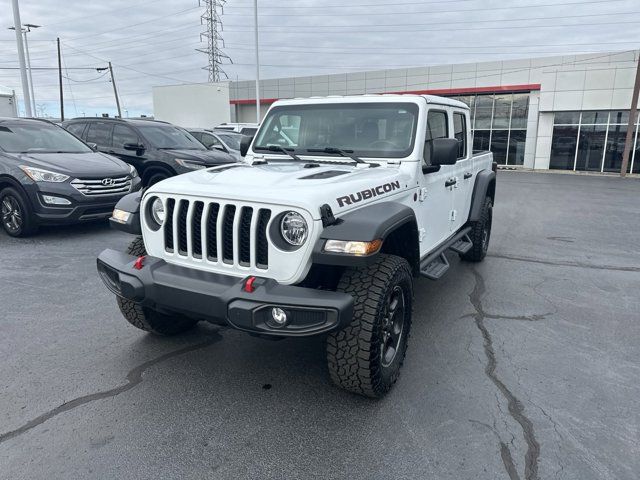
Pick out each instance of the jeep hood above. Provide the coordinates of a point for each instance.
(342, 187)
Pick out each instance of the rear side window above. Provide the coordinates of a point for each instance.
(437, 127)
(99, 133)
(76, 129)
(123, 134)
(460, 133)
(249, 131)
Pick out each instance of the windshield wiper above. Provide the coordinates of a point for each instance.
(286, 151)
(338, 151)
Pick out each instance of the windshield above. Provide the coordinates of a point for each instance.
(38, 137)
(375, 130)
(231, 141)
(169, 137)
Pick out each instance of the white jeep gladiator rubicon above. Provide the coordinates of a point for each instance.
(341, 203)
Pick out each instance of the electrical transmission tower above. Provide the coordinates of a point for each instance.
(213, 36)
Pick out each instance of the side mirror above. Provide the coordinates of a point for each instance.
(217, 147)
(139, 149)
(245, 143)
(93, 146)
(444, 151)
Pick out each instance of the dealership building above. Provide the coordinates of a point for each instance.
(565, 113)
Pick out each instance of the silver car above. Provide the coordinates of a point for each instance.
(228, 142)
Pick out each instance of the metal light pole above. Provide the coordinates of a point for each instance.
(633, 112)
(23, 70)
(255, 19)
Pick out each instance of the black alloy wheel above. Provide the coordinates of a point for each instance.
(392, 326)
(12, 215)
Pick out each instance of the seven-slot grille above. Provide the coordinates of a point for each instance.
(102, 186)
(218, 232)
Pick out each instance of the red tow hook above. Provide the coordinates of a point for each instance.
(248, 285)
(139, 262)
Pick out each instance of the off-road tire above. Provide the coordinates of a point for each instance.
(354, 353)
(27, 226)
(479, 229)
(150, 320)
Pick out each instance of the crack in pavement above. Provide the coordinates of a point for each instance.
(515, 406)
(134, 378)
(505, 453)
(564, 263)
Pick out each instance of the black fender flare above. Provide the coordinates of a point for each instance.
(371, 222)
(484, 186)
(129, 203)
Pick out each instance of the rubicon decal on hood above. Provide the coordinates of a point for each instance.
(368, 193)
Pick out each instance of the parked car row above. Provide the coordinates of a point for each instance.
(51, 174)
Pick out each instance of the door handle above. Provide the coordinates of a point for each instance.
(451, 182)
(468, 175)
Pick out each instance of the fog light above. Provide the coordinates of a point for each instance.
(52, 200)
(279, 316)
(120, 216)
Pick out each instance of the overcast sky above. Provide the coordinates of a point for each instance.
(153, 42)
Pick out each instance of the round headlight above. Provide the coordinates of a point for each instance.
(157, 211)
(294, 228)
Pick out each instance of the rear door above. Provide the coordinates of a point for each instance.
(462, 171)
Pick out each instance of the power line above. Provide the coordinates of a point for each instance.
(432, 12)
(446, 28)
(289, 6)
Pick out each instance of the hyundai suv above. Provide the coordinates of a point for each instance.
(48, 176)
(158, 150)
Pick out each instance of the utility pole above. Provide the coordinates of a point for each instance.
(115, 90)
(213, 34)
(255, 20)
(27, 29)
(23, 70)
(60, 81)
(633, 113)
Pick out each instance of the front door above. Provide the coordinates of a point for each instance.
(436, 195)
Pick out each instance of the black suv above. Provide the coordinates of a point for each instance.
(157, 149)
(48, 176)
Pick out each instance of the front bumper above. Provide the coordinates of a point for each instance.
(222, 299)
(82, 208)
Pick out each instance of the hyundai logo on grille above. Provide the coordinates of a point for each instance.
(108, 182)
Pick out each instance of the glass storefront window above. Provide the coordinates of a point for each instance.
(591, 147)
(484, 111)
(563, 147)
(615, 147)
(595, 118)
(481, 139)
(517, 140)
(499, 123)
(619, 117)
(566, 118)
(501, 111)
(520, 110)
(636, 159)
(499, 139)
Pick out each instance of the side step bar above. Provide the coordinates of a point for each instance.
(435, 265)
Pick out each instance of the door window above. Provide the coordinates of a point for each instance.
(76, 129)
(210, 141)
(123, 134)
(460, 133)
(437, 127)
(99, 133)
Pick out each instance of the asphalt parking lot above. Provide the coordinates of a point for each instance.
(525, 366)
